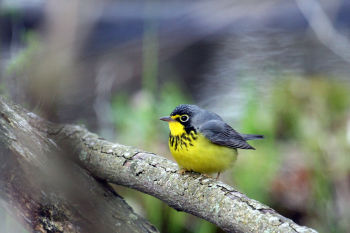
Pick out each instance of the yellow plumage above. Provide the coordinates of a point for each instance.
(196, 153)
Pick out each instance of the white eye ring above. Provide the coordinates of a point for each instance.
(184, 118)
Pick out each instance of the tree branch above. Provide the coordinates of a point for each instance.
(155, 175)
(47, 192)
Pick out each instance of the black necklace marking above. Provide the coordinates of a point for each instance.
(188, 129)
(184, 139)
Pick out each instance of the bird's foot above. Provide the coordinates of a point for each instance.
(182, 171)
(207, 175)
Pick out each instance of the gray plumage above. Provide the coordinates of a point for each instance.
(214, 128)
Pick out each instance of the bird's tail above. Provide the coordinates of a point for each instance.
(252, 136)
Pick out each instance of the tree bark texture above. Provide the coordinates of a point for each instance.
(47, 192)
(155, 175)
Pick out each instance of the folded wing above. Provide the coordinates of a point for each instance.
(220, 133)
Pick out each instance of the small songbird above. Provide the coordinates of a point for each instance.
(201, 141)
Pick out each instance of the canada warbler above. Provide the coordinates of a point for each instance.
(201, 141)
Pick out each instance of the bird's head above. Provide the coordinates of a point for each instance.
(180, 120)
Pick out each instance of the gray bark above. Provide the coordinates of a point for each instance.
(47, 192)
(155, 175)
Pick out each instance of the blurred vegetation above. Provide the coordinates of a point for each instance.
(305, 154)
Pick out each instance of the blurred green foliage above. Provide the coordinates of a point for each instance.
(303, 119)
(25, 56)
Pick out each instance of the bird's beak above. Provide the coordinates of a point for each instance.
(167, 118)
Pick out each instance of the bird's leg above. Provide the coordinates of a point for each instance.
(182, 171)
(217, 176)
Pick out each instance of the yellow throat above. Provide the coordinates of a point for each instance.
(176, 128)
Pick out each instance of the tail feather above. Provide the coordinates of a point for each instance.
(252, 136)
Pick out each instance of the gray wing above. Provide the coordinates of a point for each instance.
(220, 133)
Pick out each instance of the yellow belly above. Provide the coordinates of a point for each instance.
(203, 156)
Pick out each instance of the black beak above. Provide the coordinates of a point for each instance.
(167, 118)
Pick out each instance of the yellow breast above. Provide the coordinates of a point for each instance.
(196, 153)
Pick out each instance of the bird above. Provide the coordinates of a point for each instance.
(201, 141)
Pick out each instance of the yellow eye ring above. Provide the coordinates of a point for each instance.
(184, 118)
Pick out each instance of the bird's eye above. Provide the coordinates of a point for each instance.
(184, 118)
